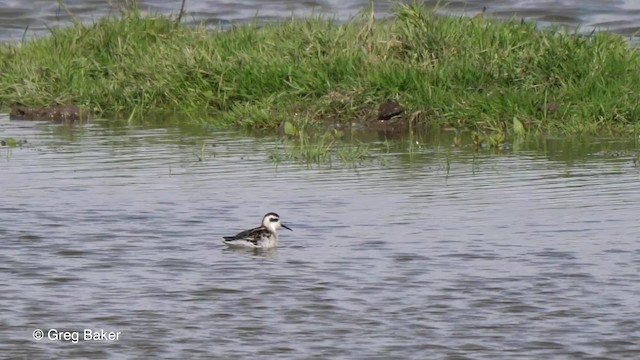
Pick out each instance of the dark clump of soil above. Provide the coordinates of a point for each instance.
(389, 109)
(56, 113)
(549, 107)
(390, 121)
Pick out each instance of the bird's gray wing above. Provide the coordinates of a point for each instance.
(252, 235)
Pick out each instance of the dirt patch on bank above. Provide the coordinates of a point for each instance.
(55, 113)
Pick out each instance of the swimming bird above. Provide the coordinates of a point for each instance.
(264, 236)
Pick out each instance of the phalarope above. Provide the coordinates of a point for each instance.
(264, 236)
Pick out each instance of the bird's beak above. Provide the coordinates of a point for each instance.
(286, 227)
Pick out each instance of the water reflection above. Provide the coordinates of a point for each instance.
(265, 253)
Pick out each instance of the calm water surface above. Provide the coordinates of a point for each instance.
(622, 16)
(525, 254)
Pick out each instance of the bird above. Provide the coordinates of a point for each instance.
(263, 236)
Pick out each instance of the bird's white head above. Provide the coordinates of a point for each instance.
(272, 222)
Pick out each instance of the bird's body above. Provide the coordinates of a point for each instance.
(259, 237)
(263, 236)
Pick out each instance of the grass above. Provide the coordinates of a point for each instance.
(477, 74)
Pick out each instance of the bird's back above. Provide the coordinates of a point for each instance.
(253, 237)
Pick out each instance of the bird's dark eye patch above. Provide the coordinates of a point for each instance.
(273, 219)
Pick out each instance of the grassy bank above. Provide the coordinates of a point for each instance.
(467, 73)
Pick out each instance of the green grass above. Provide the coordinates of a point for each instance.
(467, 73)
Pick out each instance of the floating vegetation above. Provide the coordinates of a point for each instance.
(12, 142)
(319, 148)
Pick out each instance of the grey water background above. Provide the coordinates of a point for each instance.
(36, 16)
(437, 252)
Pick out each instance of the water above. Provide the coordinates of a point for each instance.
(621, 16)
(437, 253)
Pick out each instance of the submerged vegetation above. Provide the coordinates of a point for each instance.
(493, 78)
